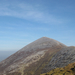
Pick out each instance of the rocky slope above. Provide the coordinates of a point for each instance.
(32, 59)
(67, 70)
(61, 59)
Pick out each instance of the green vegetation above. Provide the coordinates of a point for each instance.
(68, 70)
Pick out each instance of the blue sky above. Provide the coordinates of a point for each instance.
(23, 21)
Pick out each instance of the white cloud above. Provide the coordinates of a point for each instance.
(38, 28)
(8, 27)
(26, 11)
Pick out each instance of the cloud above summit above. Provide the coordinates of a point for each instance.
(27, 11)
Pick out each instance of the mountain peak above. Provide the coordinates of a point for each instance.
(44, 37)
(47, 40)
(43, 42)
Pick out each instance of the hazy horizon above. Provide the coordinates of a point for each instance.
(5, 54)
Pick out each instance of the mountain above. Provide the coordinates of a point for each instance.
(31, 59)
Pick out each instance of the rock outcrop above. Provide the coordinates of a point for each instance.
(61, 59)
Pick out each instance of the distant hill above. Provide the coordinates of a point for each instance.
(38, 57)
(5, 54)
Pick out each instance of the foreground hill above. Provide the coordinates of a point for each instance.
(67, 70)
(32, 59)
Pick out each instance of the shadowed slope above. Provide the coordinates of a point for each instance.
(61, 59)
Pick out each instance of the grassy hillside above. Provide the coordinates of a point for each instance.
(68, 70)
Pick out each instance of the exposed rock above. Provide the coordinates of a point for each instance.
(61, 59)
